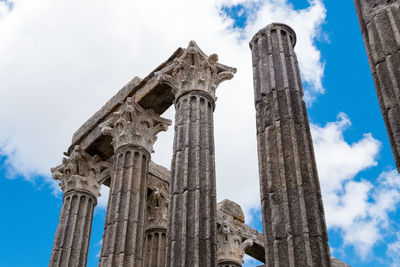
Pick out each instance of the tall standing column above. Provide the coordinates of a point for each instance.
(134, 131)
(78, 175)
(191, 232)
(155, 236)
(380, 28)
(293, 215)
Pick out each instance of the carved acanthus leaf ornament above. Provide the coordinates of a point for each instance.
(133, 125)
(195, 71)
(231, 240)
(157, 209)
(80, 172)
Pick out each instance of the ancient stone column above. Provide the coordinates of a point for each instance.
(380, 28)
(292, 211)
(191, 238)
(134, 131)
(78, 175)
(157, 219)
(231, 243)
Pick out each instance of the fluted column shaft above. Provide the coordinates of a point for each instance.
(133, 132)
(157, 219)
(191, 233)
(191, 239)
(293, 215)
(71, 242)
(380, 27)
(155, 247)
(123, 237)
(78, 176)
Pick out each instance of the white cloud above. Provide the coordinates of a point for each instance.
(61, 60)
(307, 24)
(4, 9)
(358, 208)
(103, 199)
(394, 252)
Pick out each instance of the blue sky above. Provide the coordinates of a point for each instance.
(55, 72)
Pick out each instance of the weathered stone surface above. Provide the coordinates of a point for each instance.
(293, 216)
(81, 172)
(232, 241)
(155, 244)
(338, 263)
(148, 92)
(71, 242)
(159, 172)
(225, 208)
(117, 100)
(157, 218)
(133, 130)
(133, 125)
(78, 175)
(191, 235)
(380, 27)
(231, 208)
(195, 71)
(125, 220)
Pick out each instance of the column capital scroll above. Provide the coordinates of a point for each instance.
(231, 244)
(232, 239)
(80, 171)
(133, 125)
(195, 71)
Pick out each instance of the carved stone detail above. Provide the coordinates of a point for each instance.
(156, 228)
(80, 172)
(230, 246)
(133, 125)
(79, 175)
(232, 239)
(191, 234)
(157, 209)
(195, 71)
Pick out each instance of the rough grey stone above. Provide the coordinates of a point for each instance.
(380, 25)
(78, 175)
(191, 235)
(293, 217)
(133, 131)
(338, 263)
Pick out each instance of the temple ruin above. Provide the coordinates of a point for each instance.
(158, 217)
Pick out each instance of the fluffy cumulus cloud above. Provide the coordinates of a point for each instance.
(61, 60)
(355, 206)
(394, 252)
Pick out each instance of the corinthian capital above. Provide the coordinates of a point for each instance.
(230, 243)
(195, 71)
(157, 209)
(133, 125)
(80, 171)
(232, 239)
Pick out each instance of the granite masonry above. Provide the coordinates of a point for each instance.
(292, 211)
(380, 28)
